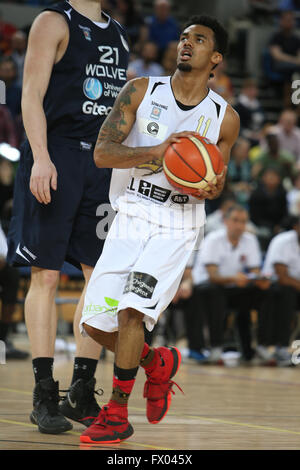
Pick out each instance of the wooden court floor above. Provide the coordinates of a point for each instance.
(243, 408)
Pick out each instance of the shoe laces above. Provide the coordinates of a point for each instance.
(160, 388)
(89, 397)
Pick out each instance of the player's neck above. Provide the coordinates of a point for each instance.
(188, 88)
(89, 8)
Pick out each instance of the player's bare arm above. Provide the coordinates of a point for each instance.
(228, 135)
(47, 42)
(110, 151)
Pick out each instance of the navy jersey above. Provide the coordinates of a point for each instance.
(85, 82)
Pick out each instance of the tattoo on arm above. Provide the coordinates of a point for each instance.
(115, 125)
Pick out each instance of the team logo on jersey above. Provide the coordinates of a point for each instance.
(155, 113)
(153, 128)
(86, 32)
(92, 88)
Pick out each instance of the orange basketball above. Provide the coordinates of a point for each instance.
(191, 163)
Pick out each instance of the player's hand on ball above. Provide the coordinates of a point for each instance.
(43, 176)
(215, 189)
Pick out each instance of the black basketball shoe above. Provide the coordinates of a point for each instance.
(46, 414)
(80, 404)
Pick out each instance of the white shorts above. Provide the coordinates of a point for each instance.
(141, 267)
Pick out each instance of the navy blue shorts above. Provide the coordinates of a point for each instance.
(64, 230)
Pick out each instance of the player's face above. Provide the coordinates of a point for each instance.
(196, 49)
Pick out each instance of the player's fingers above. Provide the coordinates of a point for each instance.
(54, 181)
(34, 189)
(45, 188)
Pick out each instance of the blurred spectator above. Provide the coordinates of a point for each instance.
(215, 220)
(285, 52)
(289, 134)
(224, 275)
(221, 83)
(163, 27)
(293, 196)
(18, 51)
(6, 32)
(8, 74)
(291, 5)
(6, 192)
(250, 111)
(268, 205)
(7, 127)
(239, 171)
(169, 60)
(131, 18)
(147, 65)
(274, 157)
(9, 282)
(283, 299)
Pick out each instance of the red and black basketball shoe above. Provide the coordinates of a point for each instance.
(107, 428)
(158, 386)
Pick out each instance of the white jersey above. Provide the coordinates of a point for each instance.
(144, 191)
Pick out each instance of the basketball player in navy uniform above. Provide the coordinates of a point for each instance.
(75, 66)
(156, 228)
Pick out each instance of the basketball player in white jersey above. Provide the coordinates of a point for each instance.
(156, 229)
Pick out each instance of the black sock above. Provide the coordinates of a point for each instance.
(42, 368)
(84, 368)
(4, 329)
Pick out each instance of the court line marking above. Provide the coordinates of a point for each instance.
(76, 433)
(216, 420)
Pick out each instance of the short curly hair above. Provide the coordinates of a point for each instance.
(220, 33)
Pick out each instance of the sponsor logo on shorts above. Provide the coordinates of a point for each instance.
(110, 308)
(180, 198)
(141, 284)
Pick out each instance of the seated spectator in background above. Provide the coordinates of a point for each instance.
(8, 133)
(274, 157)
(9, 282)
(293, 196)
(18, 51)
(268, 206)
(163, 27)
(215, 220)
(279, 307)
(129, 15)
(291, 5)
(250, 110)
(169, 59)
(239, 171)
(285, 52)
(224, 278)
(289, 134)
(221, 83)
(8, 74)
(6, 32)
(147, 65)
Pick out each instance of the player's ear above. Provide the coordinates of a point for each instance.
(217, 58)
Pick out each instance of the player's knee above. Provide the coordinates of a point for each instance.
(45, 279)
(130, 317)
